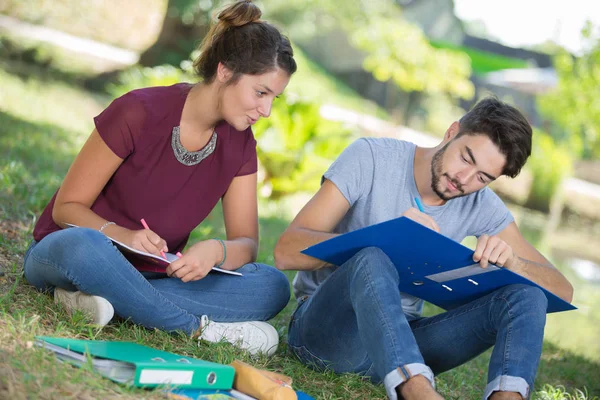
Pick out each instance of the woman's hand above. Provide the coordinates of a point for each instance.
(143, 240)
(197, 262)
(148, 241)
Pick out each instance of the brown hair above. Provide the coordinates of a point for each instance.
(508, 129)
(244, 44)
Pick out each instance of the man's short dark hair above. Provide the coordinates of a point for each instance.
(505, 126)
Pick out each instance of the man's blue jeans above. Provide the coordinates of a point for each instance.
(354, 323)
(86, 260)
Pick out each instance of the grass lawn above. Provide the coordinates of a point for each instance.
(43, 122)
(483, 62)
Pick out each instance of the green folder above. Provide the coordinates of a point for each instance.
(132, 363)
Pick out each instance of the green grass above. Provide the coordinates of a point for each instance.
(483, 62)
(560, 393)
(43, 121)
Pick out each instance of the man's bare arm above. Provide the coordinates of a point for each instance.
(312, 225)
(509, 249)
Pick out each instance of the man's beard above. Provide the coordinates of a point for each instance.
(436, 175)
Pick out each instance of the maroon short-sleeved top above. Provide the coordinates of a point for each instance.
(151, 183)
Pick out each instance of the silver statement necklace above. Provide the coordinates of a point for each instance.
(190, 158)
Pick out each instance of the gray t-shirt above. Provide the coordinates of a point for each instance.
(376, 176)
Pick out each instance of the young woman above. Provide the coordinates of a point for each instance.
(168, 155)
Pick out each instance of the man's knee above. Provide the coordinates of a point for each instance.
(521, 299)
(531, 296)
(372, 254)
(372, 259)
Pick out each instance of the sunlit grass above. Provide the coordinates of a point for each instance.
(549, 392)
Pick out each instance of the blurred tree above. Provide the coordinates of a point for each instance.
(395, 49)
(550, 163)
(574, 105)
(398, 51)
(185, 24)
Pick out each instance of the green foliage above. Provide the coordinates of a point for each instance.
(139, 77)
(550, 163)
(397, 50)
(191, 11)
(296, 145)
(574, 104)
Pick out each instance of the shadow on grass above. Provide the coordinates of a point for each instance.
(23, 63)
(35, 158)
(563, 367)
(47, 62)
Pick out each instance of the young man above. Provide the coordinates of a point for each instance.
(352, 318)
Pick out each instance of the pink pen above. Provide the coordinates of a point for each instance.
(145, 225)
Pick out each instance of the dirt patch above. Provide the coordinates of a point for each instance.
(12, 246)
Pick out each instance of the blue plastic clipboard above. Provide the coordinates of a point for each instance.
(431, 266)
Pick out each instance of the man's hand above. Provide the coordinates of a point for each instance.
(492, 249)
(421, 218)
(197, 262)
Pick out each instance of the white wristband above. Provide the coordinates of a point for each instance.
(105, 225)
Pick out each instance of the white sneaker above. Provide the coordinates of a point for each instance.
(98, 308)
(254, 336)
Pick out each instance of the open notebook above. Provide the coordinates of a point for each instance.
(152, 258)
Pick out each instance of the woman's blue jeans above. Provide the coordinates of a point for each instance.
(354, 323)
(86, 260)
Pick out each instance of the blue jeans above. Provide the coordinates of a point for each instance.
(354, 322)
(86, 260)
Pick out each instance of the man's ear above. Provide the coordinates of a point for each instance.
(224, 74)
(451, 131)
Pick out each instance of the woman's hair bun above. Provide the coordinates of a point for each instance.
(243, 43)
(240, 13)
